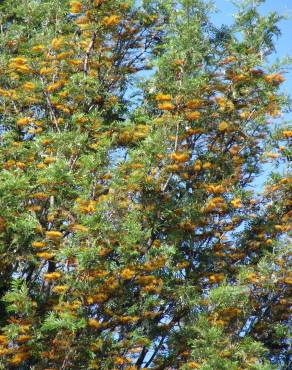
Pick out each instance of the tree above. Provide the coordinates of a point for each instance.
(131, 233)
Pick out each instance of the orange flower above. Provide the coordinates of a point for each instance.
(94, 324)
(207, 165)
(37, 48)
(163, 97)
(49, 160)
(46, 71)
(3, 340)
(216, 278)
(287, 133)
(223, 126)
(20, 165)
(40, 196)
(194, 104)
(193, 116)
(245, 115)
(215, 189)
(9, 94)
(19, 60)
(252, 277)
(97, 298)
(19, 358)
(55, 86)
(79, 228)
(20, 68)
(228, 60)
(76, 7)
(197, 165)
(272, 155)
(180, 157)
(166, 106)
(41, 166)
(45, 255)
(64, 55)
(97, 2)
(288, 280)
(120, 361)
(173, 167)
(128, 319)
(86, 206)
(53, 234)
(59, 289)
(28, 86)
(236, 203)
(75, 62)
(275, 79)
(193, 365)
(51, 276)
(57, 43)
(127, 274)
(111, 20)
(24, 121)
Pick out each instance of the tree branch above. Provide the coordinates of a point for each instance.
(88, 52)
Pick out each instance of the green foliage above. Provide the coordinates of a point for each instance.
(132, 233)
(229, 296)
(65, 321)
(18, 300)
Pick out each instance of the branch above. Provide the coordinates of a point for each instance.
(50, 106)
(155, 351)
(252, 320)
(140, 360)
(163, 187)
(88, 52)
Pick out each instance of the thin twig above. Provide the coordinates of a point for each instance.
(175, 148)
(88, 52)
(50, 106)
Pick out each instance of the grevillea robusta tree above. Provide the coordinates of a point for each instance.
(132, 232)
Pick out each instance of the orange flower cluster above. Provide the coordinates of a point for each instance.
(76, 7)
(53, 234)
(51, 276)
(111, 21)
(19, 65)
(275, 79)
(193, 116)
(166, 106)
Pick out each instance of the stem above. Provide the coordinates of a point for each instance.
(163, 188)
(88, 52)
